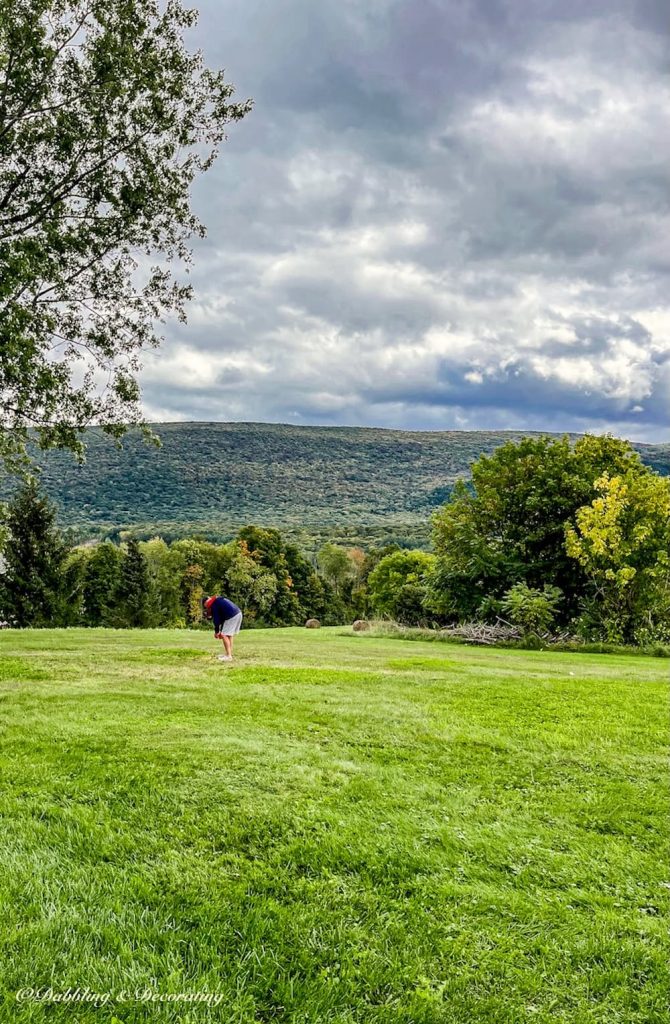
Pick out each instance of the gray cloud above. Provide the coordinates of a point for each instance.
(439, 214)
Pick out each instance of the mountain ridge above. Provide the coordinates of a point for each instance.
(212, 477)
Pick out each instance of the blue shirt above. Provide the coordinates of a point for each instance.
(222, 609)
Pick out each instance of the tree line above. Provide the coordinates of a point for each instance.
(46, 581)
(547, 534)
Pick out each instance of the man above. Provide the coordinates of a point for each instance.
(227, 619)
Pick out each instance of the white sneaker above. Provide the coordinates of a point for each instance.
(225, 657)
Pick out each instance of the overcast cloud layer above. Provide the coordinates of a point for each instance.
(440, 214)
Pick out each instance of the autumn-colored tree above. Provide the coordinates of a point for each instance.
(248, 583)
(622, 542)
(192, 592)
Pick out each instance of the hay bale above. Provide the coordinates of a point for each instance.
(360, 625)
(313, 624)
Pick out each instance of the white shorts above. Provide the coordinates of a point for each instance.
(232, 626)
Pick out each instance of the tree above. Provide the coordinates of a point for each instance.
(72, 588)
(397, 585)
(317, 602)
(266, 546)
(31, 589)
(163, 570)
(101, 580)
(250, 584)
(309, 589)
(508, 526)
(3, 527)
(105, 121)
(357, 559)
(192, 593)
(337, 566)
(622, 541)
(132, 594)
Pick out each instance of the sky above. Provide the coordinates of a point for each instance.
(440, 214)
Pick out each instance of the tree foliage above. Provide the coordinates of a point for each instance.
(531, 608)
(508, 526)
(338, 566)
(617, 545)
(398, 583)
(350, 486)
(106, 118)
(192, 592)
(100, 583)
(250, 584)
(153, 583)
(622, 542)
(132, 593)
(32, 583)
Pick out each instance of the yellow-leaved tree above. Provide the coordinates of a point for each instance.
(622, 541)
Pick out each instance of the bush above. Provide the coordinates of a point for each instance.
(657, 635)
(489, 610)
(531, 609)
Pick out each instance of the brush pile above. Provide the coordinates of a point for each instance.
(490, 634)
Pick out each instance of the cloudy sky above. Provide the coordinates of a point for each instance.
(440, 214)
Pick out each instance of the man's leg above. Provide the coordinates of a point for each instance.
(228, 644)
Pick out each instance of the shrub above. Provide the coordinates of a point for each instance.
(531, 609)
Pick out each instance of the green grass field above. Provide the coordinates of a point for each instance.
(332, 829)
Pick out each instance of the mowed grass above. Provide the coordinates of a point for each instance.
(334, 828)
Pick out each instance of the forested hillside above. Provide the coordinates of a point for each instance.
(355, 483)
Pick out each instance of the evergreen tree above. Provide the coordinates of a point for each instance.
(101, 582)
(31, 589)
(133, 590)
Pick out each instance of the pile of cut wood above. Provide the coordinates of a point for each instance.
(488, 633)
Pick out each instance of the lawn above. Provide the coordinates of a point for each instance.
(334, 828)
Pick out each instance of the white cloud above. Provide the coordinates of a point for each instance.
(471, 233)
